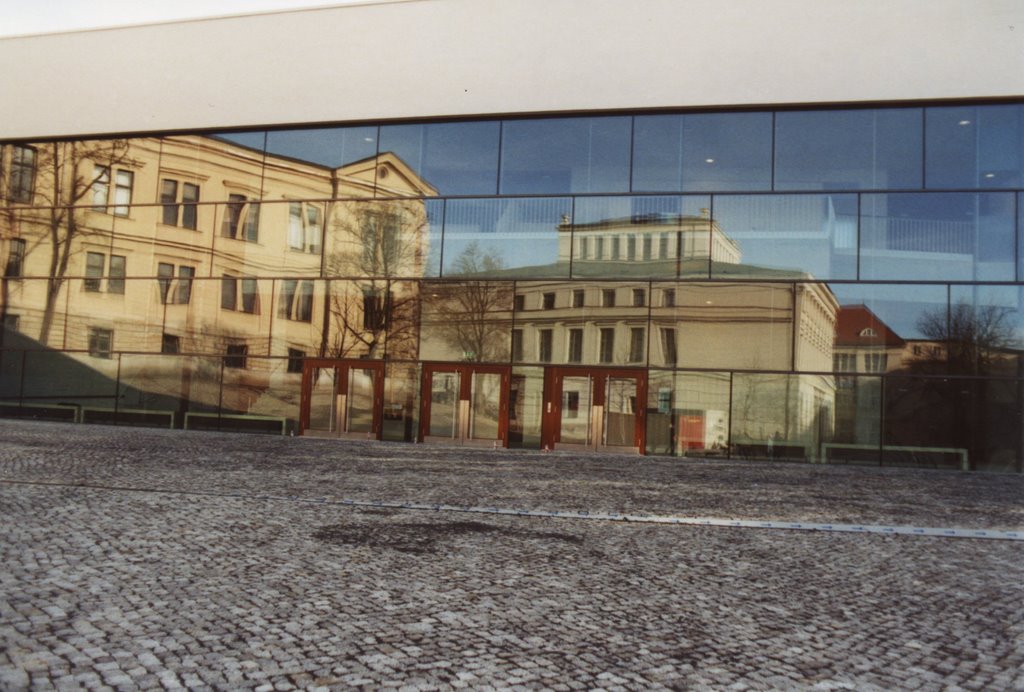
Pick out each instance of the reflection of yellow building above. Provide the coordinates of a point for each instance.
(233, 249)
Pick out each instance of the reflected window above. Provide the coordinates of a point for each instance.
(668, 346)
(668, 298)
(15, 258)
(123, 183)
(639, 297)
(376, 308)
(241, 219)
(101, 342)
(305, 227)
(608, 297)
(229, 295)
(22, 174)
(548, 301)
(544, 342)
(296, 301)
(607, 346)
(848, 150)
(702, 152)
(94, 263)
(236, 355)
(578, 298)
(974, 146)
(575, 346)
(295, 358)
(565, 155)
(170, 344)
(517, 345)
(179, 203)
(637, 344)
(115, 279)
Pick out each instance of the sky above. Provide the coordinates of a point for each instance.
(20, 17)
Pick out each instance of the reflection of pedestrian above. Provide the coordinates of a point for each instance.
(771, 447)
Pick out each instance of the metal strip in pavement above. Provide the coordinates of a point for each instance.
(939, 532)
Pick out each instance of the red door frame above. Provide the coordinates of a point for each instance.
(465, 371)
(342, 367)
(551, 416)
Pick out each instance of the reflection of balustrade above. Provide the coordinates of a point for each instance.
(917, 235)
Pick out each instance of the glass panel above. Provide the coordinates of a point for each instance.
(975, 146)
(984, 331)
(455, 158)
(382, 239)
(858, 420)
(929, 422)
(330, 147)
(938, 236)
(622, 237)
(322, 414)
(620, 412)
(74, 379)
(466, 321)
(688, 413)
(219, 164)
(781, 416)
(724, 325)
(565, 155)
(887, 328)
(848, 150)
(702, 152)
(298, 315)
(401, 401)
(786, 236)
(577, 404)
(373, 319)
(507, 237)
(359, 416)
(485, 406)
(605, 313)
(526, 391)
(444, 405)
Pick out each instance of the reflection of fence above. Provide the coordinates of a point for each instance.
(914, 235)
(56, 412)
(128, 416)
(901, 455)
(235, 423)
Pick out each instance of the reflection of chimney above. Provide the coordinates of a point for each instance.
(565, 219)
(705, 213)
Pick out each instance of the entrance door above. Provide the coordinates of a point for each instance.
(594, 408)
(465, 404)
(342, 398)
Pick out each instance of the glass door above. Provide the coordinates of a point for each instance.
(593, 408)
(342, 398)
(465, 404)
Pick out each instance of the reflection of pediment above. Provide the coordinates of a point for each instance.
(389, 173)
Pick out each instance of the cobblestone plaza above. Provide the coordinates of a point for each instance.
(166, 559)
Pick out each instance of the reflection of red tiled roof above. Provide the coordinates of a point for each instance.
(853, 323)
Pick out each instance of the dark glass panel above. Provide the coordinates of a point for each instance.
(401, 402)
(507, 237)
(856, 437)
(299, 314)
(526, 389)
(984, 331)
(397, 239)
(468, 321)
(848, 150)
(975, 146)
(930, 422)
(649, 236)
(702, 152)
(785, 236)
(565, 155)
(454, 158)
(938, 236)
(688, 413)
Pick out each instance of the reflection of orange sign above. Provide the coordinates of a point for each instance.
(691, 432)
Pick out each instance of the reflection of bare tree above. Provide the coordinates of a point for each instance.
(66, 175)
(468, 313)
(373, 314)
(973, 338)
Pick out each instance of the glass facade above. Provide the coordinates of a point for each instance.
(825, 285)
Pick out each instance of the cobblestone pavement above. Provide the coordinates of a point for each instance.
(122, 568)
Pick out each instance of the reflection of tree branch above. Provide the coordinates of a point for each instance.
(466, 312)
(973, 336)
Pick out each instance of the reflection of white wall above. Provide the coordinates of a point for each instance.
(510, 57)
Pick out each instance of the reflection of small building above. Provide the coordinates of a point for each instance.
(864, 343)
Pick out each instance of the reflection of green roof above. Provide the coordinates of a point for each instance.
(653, 269)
